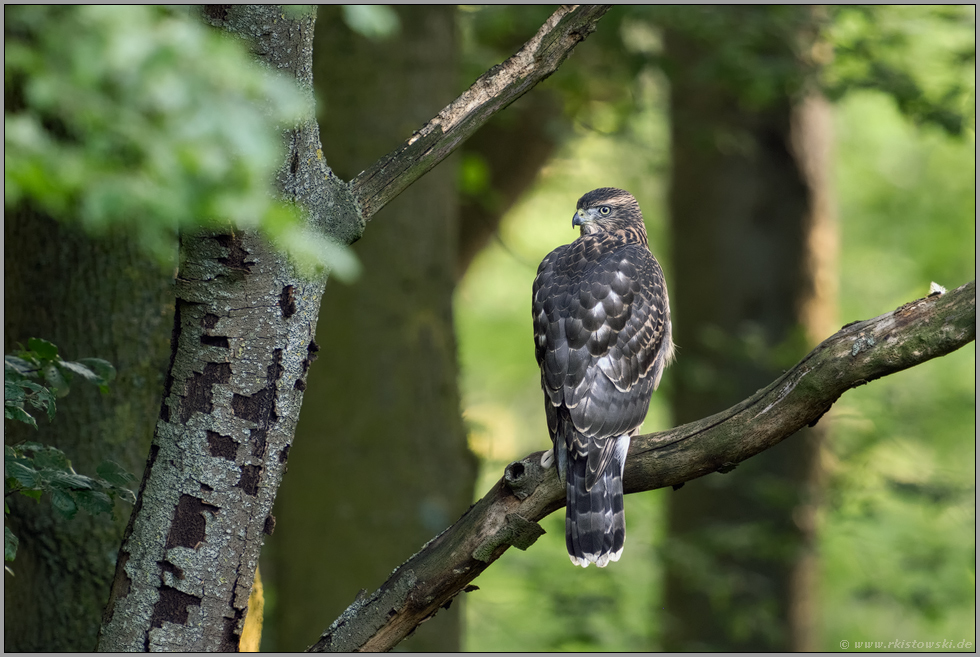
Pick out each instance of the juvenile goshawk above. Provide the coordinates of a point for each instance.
(602, 340)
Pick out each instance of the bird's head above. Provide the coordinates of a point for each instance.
(609, 210)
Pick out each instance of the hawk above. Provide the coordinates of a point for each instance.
(602, 339)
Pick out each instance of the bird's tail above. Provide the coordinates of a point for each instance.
(595, 524)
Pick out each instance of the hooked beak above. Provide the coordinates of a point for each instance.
(579, 218)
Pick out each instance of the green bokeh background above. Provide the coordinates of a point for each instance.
(897, 527)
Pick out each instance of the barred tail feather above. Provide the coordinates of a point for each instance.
(595, 524)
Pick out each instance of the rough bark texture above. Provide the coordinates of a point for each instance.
(492, 92)
(856, 355)
(384, 394)
(744, 208)
(91, 298)
(242, 344)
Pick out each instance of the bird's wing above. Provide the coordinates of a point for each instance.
(602, 336)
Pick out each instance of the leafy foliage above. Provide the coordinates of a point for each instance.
(766, 60)
(898, 528)
(37, 376)
(143, 120)
(376, 22)
(32, 469)
(922, 56)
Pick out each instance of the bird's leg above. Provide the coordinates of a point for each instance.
(548, 458)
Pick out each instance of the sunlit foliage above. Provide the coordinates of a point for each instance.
(141, 119)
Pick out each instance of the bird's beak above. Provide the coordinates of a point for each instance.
(579, 218)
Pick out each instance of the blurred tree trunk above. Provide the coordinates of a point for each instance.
(380, 463)
(752, 288)
(513, 147)
(96, 298)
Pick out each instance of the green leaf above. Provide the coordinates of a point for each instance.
(115, 474)
(45, 401)
(10, 544)
(34, 494)
(24, 475)
(12, 412)
(126, 495)
(63, 503)
(33, 387)
(103, 369)
(79, 369)
(18, 365)
(93, 501)
(55, 379)
(375, 22)
(12, 391)
(51, 458)
(43, 348)
(68, 480)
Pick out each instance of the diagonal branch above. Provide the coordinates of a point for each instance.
(507, 515)
(492, 92)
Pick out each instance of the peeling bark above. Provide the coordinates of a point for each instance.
(243, 336)
(228, 418)
(507, 515)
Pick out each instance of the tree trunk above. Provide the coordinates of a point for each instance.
(92, 298)
(380, 463)
(242, 344)
(753, 240)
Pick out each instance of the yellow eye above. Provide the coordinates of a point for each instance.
(604, 210)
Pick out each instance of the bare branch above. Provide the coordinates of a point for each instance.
(857, 354)
(492, 92)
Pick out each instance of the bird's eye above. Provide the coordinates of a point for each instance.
(604, 210)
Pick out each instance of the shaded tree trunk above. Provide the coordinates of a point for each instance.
(241, 349)
(513, 146)
(753, 244)
(380, 463)
(92, 298)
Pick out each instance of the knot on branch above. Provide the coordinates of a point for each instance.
(517, 531)
(523, 476)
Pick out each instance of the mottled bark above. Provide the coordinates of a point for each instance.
(749, 196)
(380, 462)
(92, 298)
(507, 515)
(242, 344)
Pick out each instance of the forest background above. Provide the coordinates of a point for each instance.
(894, 511)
